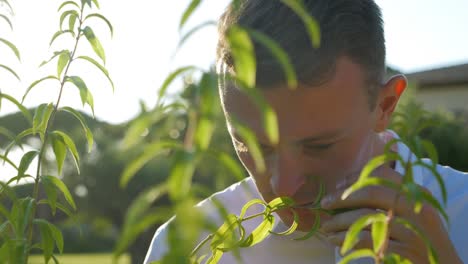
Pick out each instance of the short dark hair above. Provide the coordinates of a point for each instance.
(352, 28)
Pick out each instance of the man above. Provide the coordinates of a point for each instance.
(330, 126)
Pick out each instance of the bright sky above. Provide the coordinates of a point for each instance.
(421, 34)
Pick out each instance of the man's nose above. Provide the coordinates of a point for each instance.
(287, 174)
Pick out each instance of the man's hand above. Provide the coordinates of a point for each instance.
(402, 241)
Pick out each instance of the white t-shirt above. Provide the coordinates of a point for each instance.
(282, 249)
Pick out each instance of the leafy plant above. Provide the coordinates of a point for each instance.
(20, 225)
(190, 155)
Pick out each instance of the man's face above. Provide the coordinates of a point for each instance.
(326, 134)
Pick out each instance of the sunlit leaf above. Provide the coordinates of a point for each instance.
(77, 115)
(68, 3)
(352, 236)
(244, 56)
(37, 119)
(12, 47)
(180, 179)
(36, 83)
(252, 144)
(100, 67)
(195, 29)
(10, 70)
(62, 187)
(188, 12)
(313, 230)
(203, 133)
(372, 181)
(169, 79)
(23, 109)
(361, 253)
(230, 164)
(58, 34)
(225, 232)
(47, 239)
(280, 55)
(96, 3)
(438, 177)
(215, 257)
(102, 18)
(51, 192)
(149, 152)
(250, 204)
(85, 94)
(60, 151)
(310, 23)
(432, 254)
(65, 14)
(7, 20)
(292, 228)
(260, 232)
(7, 160)
(379, 231)
(280, 203)
(26, 161)
(95, 43)
(70, 146)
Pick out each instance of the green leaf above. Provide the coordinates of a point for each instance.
(379, 234)
(7, 160)
(37, 119)
(203, 133)
(437, 175)
(372, 181)
(180, 179)
(252, 144)
(104, 19)
(100, 67)
(250, 204)
(36, 83)
(259, 233)
(225, 235)
(12, 47)
(7, 20)
(280, 55)
(58, 34)
(60, 151)
(169, 80)
(26, 161)
(47, 239)
(215, 257)
(55, 233)
(21, 214)
(432, 254)
(88, 133)
(361, 253)
(193, 31)
(71, 23)
(85, 94)
(23, 109)
(10, 70)
(149, 152)
(96, 3)
(281, 203)
(5, 132)
(230, 164)
(352, 236)
(292, 228)
(70, 145)
(51, 192)
(67, 13)
(310, 23)
(68, 3)
(244, 56)
(95, 43)
(62, 187)
(188, 12)
(312, 230)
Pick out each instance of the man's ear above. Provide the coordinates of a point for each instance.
(387, 101)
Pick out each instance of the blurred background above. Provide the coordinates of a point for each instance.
(426, 41)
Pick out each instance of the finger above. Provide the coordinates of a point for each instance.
(405, 250)
(342, 222)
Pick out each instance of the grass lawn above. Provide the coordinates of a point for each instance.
(81, 259)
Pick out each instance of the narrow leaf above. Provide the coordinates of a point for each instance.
(310, 23)
(62, 187)
(169, 80)
(68, 3)
(95, 43)
(65, 14)
(379, 233)
(63, 60)
(259, 233)
(352, 235)
(100, 67)
(85, 94)
(180, 179)
(71, 147)
(12, 47)
(192, 31)
(26, 161)
(23, 109)
(60, 151)
(7, 20)
(361, 253)
(188, 12)
(244, 56)
(51, 192)
(88, 133)
(36, 83)
(104, 19)
(58, 34)
(11, 71)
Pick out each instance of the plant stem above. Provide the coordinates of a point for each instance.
(48, 126)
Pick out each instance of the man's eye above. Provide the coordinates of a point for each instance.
(318, 147)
